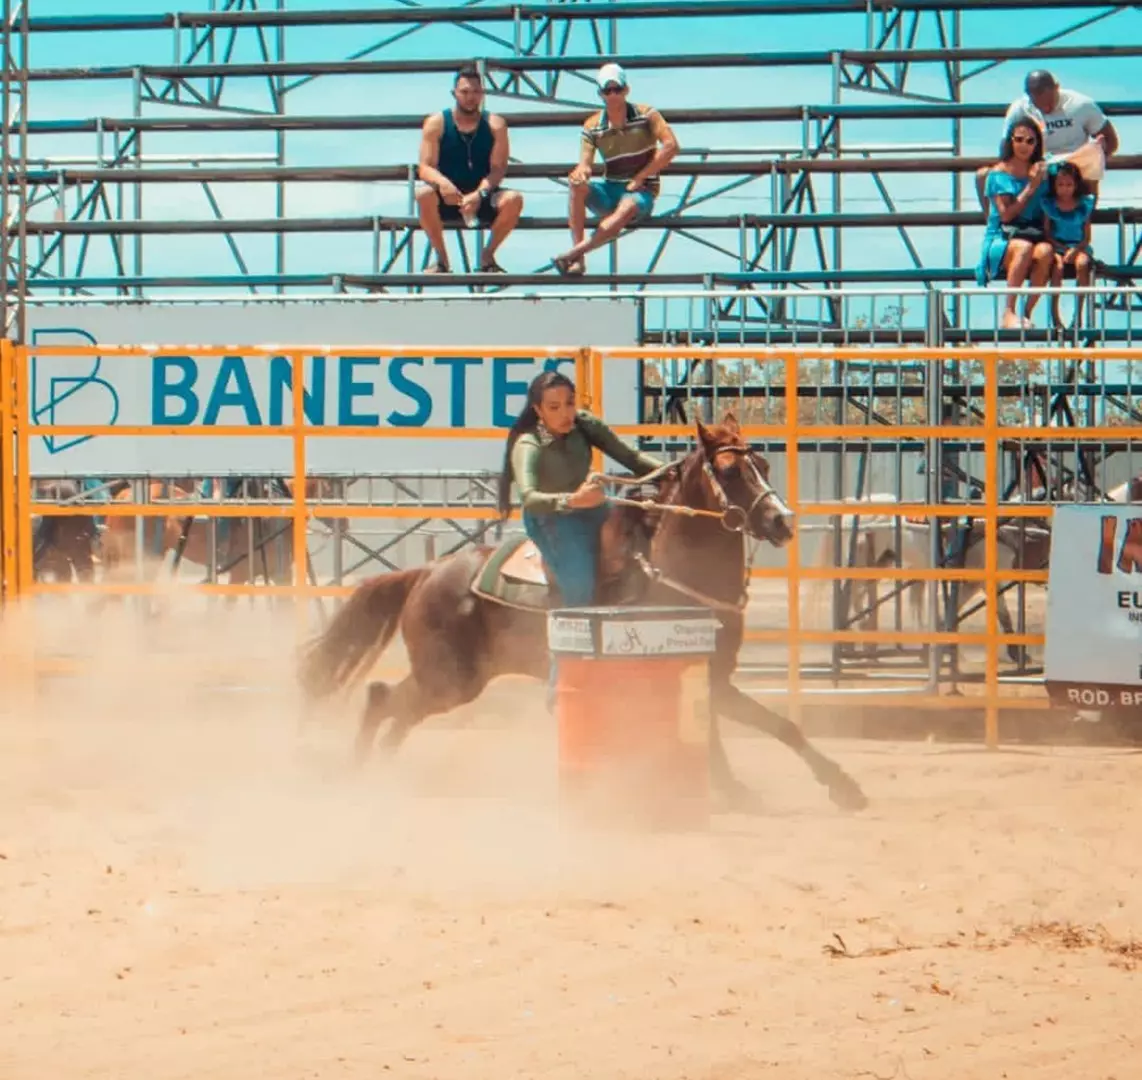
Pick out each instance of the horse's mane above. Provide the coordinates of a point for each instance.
(671, 484)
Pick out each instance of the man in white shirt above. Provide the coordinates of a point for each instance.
(1068, 119)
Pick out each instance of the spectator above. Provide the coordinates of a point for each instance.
(463, 161)
(1068, 119)
(1067, 208)
(636, 145)
(1015, 241)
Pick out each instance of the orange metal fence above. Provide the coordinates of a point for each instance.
(18, 507)
(790, 429)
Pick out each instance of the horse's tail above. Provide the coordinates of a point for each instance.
(357, 634)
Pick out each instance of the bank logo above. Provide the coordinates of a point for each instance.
(69, 389)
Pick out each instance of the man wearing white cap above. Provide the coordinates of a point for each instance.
(636, 144)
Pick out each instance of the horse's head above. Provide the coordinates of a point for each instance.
(738, 479)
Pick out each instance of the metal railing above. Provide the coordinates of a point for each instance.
(974, 419)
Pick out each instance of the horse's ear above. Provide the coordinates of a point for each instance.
(730, 423)
(703, 432)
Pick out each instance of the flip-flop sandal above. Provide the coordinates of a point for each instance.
(438, 268)
(569, 267)
(492, 267)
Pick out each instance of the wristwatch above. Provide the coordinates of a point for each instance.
(563, 503)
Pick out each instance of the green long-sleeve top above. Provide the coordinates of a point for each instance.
(547, 468)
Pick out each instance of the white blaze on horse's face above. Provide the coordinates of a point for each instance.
(777, 519)
(762, 512)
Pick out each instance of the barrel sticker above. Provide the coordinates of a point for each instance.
(570, 635)
(665, 637)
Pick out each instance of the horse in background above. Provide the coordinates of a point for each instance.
(883, 540)
(244, 548)
(75, 546)
(869, 541)
(63, 545)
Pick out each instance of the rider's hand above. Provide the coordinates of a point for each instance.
(449, 192)
(636, 185)
(580, 175)
(587, 497)
(1069, 257)
(1038, 171)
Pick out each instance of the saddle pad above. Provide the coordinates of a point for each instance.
(510, 577)
(525, 565)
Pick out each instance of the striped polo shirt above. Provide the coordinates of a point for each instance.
(625, 149)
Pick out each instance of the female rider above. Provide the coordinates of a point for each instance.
(549, 457)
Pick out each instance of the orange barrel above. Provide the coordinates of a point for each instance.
(632, 709)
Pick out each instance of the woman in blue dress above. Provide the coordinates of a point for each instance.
(1067, 208)
(1015, 244)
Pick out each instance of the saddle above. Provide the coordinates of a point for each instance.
(527, 565)
(515, 573)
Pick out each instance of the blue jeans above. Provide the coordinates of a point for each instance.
(569, 544)
(604, 196)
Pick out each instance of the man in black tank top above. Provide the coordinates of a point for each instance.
(463, 160)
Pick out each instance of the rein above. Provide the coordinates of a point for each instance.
(731, 517)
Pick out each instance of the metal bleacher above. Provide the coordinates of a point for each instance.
(838, 205)
(775, 208)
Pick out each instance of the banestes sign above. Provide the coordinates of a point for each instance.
(1093, 655)
(170, 386)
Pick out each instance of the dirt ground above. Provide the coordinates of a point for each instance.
(191, 888)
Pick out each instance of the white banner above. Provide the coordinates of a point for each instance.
(172, 386)
(1093, 653)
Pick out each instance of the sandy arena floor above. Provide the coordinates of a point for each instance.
(192, 891)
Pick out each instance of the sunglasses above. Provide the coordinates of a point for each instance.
(611, 88)
(1022, 138)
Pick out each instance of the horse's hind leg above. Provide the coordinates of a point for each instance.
(407, 704)
(378, 708)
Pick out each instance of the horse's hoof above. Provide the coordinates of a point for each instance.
(739, 799)
(846, 793)
(362, 751)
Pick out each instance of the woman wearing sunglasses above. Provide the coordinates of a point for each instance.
(1015, 245)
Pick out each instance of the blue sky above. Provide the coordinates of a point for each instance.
(1104, 79)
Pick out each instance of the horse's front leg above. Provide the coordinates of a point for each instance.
(739, 797)
(731, 702)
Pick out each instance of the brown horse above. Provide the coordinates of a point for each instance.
(245, 548)
(458, 640)
(62, 545)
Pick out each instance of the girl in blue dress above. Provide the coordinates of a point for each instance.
(1015, 244)
(1067, 210)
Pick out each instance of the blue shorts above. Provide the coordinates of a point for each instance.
(604, 196)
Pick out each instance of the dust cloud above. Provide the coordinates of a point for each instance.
(196, 882)
(191, 721)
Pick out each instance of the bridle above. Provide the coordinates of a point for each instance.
(732, 517)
